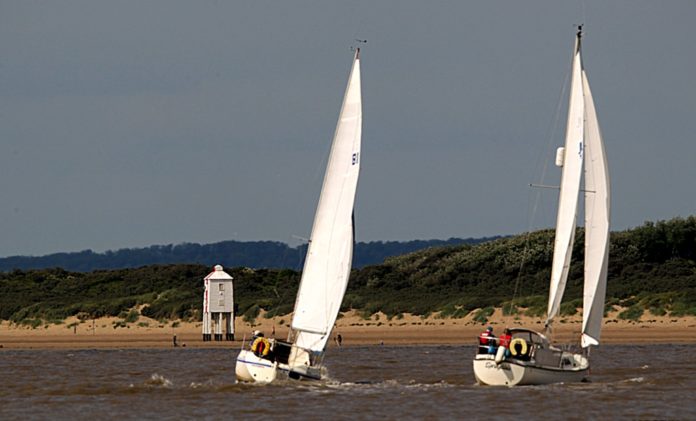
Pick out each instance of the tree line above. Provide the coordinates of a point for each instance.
(252, 254)
(651, 268)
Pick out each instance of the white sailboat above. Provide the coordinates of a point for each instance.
(532, 359)
(328, 262)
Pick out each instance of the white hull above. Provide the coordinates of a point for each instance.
(511, 372)
(250, 368)
(253, 369)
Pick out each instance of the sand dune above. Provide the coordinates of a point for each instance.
(355, 330)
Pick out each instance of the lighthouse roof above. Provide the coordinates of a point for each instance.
(218, 274)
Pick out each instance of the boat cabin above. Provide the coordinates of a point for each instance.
(537, 349)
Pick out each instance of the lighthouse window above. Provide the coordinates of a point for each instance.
(221, 286)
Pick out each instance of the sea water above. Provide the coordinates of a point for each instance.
(366, 382)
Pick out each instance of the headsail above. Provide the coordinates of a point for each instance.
(570, 188)
(597, 206)
(329, 256)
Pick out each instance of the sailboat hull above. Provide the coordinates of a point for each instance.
(511, 372)
(253, 369)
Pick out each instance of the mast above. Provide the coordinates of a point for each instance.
(330, 252)
(571, 159)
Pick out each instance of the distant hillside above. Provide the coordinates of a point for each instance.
(652, 269)
(252, 254)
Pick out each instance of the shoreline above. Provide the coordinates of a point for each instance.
(355, 331)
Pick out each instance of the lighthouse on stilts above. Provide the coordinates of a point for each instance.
(218, 306)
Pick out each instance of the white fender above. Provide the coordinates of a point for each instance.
(500, 355)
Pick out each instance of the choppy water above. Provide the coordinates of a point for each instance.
(373, 382)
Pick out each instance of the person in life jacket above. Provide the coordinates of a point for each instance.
(504, 341)
(487, 341)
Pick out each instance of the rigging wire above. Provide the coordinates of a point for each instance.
(534, 205)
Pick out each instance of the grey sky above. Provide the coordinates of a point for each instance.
(130, 123)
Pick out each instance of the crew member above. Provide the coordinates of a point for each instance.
(504, 341)
(487, 341)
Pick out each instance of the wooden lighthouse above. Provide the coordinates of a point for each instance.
(218, 306)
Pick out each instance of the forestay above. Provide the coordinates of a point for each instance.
(329, 256)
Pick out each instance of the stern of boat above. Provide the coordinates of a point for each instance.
(251, 368)
(490, 373)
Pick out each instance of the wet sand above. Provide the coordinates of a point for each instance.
(354, 330)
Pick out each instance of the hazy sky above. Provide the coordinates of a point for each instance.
(131, 123)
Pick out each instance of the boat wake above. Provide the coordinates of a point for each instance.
(368, 386)
(158, 380)
(198, 385)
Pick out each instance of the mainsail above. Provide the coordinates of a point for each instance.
(596, 224)
(571, 160)
(329, 256)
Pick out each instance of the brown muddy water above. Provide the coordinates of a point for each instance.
(371, 382)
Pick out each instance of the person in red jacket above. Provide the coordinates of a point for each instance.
(504, 341)
(487, 341)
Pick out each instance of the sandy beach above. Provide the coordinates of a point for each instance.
(355, 330)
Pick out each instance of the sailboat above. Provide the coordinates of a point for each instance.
(327, 264)
(531, 359)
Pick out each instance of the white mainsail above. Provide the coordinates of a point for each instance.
(570, 187)
(596, 224)
(329, 256)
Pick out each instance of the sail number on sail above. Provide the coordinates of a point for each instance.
(356, 158)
